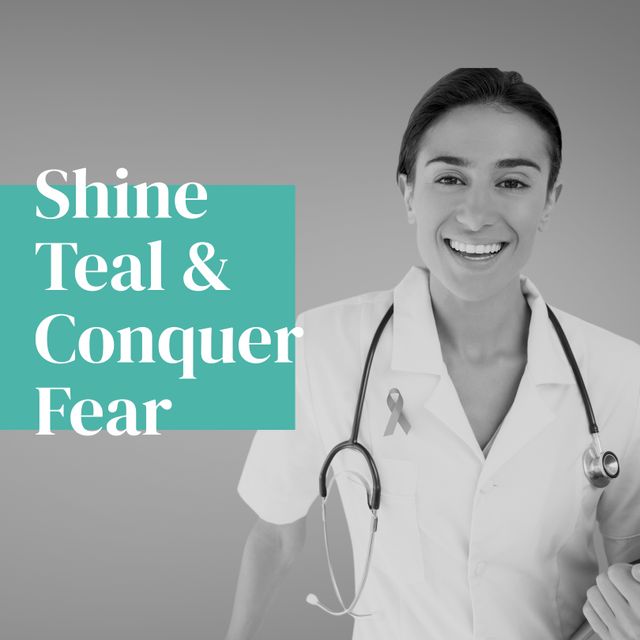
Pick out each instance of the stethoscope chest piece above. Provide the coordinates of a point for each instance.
(600, 466)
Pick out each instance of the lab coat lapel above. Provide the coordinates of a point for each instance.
(546, 376)
(416, 349)
(444, 404)
(531, 413)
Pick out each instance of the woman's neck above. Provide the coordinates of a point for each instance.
(480, 331)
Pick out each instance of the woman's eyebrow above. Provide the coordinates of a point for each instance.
(506, 163)
(458, 162)
(510, 163)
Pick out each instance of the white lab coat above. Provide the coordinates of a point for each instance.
(467, 547)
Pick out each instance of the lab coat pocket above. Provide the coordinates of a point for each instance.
(398, 548)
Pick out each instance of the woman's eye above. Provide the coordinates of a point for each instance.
(453, 180)
(512, 183)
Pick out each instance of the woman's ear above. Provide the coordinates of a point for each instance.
(552, 198)
(406, 188)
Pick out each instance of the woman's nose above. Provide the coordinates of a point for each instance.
(477, 210)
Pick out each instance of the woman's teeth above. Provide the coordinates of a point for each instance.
(485, 249)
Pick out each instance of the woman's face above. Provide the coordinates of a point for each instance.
(478, 197)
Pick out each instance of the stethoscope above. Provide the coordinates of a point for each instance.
(599, 466)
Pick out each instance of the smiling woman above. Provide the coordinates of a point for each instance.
(480, 177)
(474, 366)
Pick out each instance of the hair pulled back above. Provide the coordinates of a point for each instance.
(467, 86)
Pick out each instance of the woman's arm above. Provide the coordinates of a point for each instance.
(269, 552)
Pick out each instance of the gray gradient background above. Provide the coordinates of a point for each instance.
(141, 538)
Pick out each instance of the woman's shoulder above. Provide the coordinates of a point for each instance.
(346, 318)
(337, 335)
(600, 349)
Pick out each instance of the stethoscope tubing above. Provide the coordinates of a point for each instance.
(352, 443)
(355, 427)
(593, 427)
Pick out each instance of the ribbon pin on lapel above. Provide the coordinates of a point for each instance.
(395, 404)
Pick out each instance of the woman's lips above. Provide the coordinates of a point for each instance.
(480, 252)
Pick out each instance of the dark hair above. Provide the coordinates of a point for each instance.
(479, 86)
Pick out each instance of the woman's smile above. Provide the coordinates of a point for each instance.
(475, 252)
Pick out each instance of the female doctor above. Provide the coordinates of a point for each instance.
(472, 412)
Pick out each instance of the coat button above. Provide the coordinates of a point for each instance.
(488, 486)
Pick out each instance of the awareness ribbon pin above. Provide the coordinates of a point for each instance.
(395, 404)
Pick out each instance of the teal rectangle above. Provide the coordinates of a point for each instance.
(253, 227)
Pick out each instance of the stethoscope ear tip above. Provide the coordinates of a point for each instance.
(312, 598)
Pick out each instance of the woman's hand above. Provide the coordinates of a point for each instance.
(613, 604)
